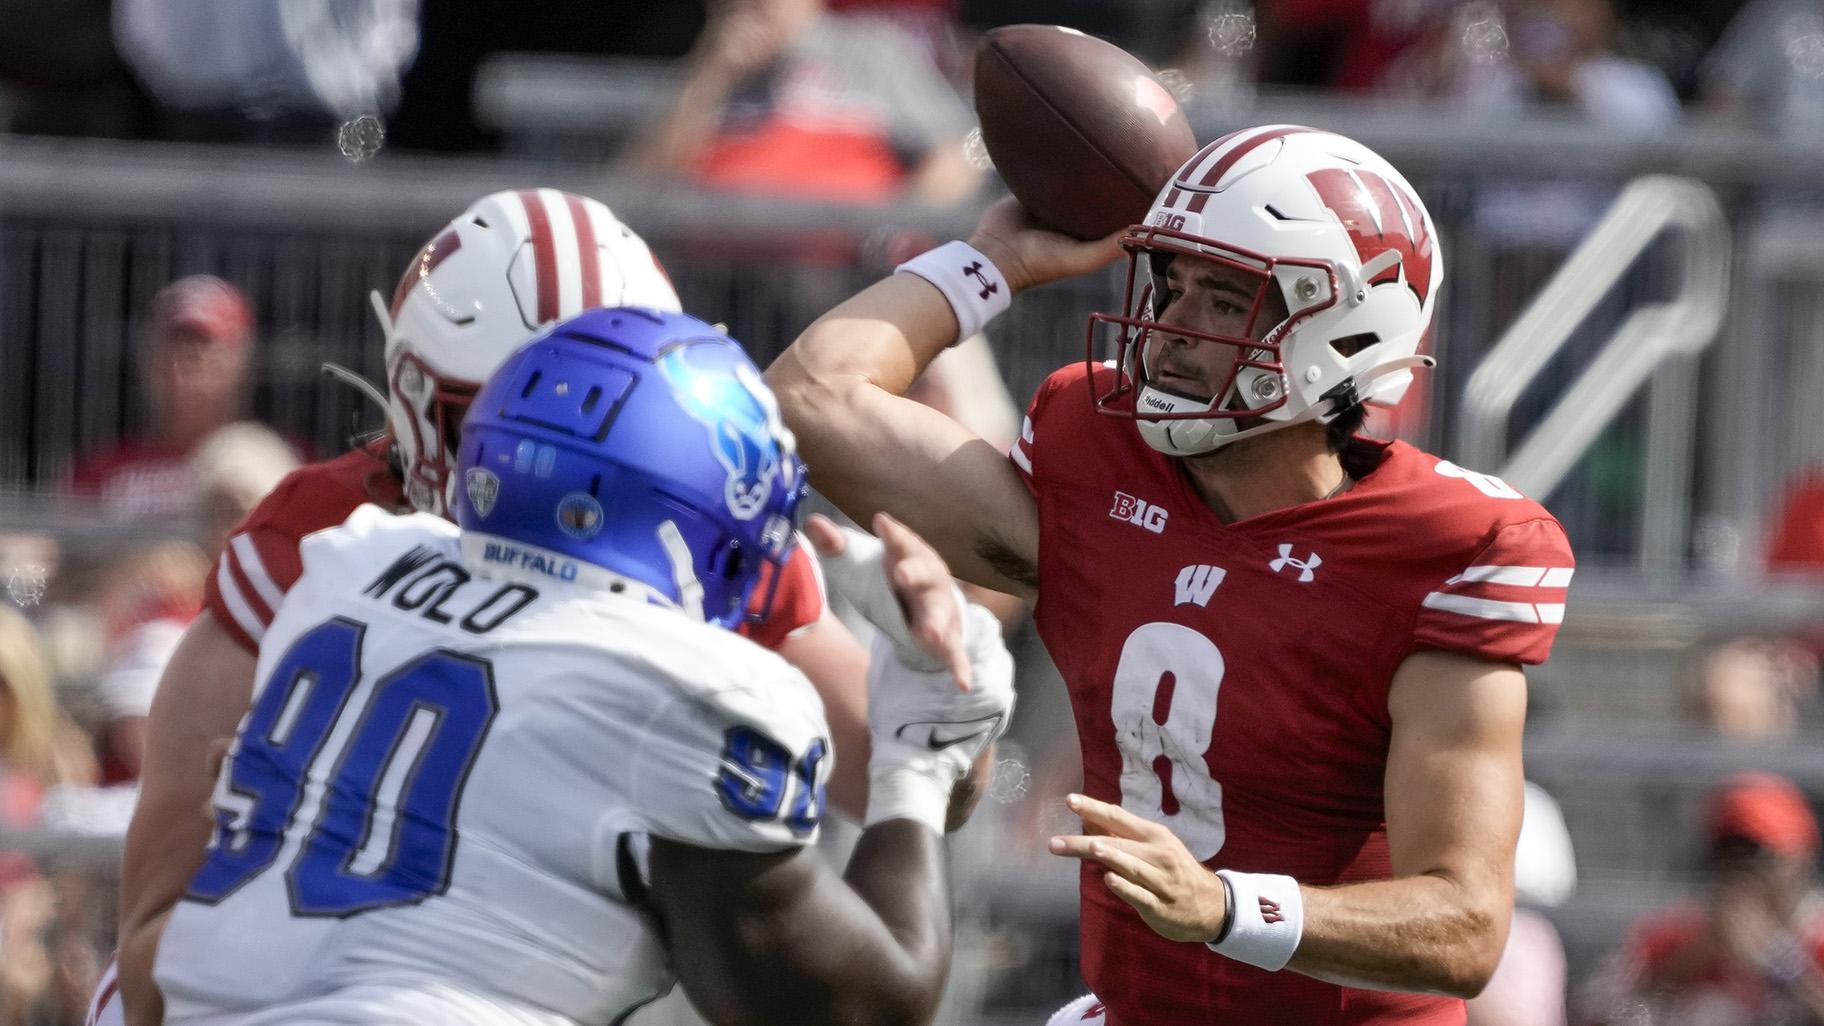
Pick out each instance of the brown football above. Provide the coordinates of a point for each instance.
(1079, 129)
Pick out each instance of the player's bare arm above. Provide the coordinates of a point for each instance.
(841, 388)
(754, 934)
(1453, 799)
(201, 696)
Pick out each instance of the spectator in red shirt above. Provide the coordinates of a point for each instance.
(1753, 952)
(193, 366)
(1798, 534)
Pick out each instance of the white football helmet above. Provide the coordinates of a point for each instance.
(512, 263)
(1316, 220)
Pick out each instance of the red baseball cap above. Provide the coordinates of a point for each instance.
(206, 305)
(1766, 809)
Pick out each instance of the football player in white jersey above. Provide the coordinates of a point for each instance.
(479, 288)
(516, 771)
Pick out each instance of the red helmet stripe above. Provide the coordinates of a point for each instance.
(1228, 160)
(586, 247)
(434, 252)
(544, 253)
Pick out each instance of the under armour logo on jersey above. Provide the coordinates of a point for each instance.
(1307, 567)
(1138, 512)
(1197, 582)
(1269, 911)
(989, 288)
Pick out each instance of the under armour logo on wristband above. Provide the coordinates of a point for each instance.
(1269, 911)
(989, 288)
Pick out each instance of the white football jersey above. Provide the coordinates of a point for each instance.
(437, 808)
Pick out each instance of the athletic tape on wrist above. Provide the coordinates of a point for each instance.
(1266, 919)
(909, 791)
(975, 288)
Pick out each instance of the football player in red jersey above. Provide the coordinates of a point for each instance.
(510, 264)
(1294, 653)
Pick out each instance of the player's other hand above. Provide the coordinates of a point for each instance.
(903, 587)
(1150, 869)
(1029, 254)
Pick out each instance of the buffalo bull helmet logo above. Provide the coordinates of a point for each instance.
(745, 430)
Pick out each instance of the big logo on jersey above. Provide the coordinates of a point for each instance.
(1379, 217)
(744, 427)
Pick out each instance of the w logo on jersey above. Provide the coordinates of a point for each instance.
(1197, 582)
(1380, 217)
(745, 430)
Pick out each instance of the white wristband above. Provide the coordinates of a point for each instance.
(1266, 919)
(909, 791)
(975, 288)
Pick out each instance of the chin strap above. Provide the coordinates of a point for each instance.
(1374, 374)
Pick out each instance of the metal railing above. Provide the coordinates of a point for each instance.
(1657, 340)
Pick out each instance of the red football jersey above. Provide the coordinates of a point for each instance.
(1230, 681)
(261, 563)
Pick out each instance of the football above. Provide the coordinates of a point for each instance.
(1080, 130)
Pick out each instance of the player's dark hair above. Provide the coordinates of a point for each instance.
(1344, 426)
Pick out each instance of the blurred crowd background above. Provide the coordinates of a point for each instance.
(195, 198)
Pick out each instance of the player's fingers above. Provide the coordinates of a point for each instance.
(1117, 855)
(1112, 818)
(911, 560)
(825, 536)
(1072, 846)
(933, 607)
(1142, 899)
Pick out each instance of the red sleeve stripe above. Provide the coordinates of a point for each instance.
(1018, 452)
(247, 555)
(239, 611)
(243, 589)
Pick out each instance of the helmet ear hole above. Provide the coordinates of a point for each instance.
(1349, 345)
(728, 560)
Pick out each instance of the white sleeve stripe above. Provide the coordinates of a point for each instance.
(1017, 451)
(1551, 612)
(1484, 609)
(1524, 576)
(249, 557)
(1020, 459)
(238, 608)
(1516, 576)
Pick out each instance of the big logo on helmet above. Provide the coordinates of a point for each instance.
(1379, 216)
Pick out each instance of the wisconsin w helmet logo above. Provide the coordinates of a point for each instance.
(744, 427)
(1379, 217)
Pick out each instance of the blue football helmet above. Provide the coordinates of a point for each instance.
(639, 442)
